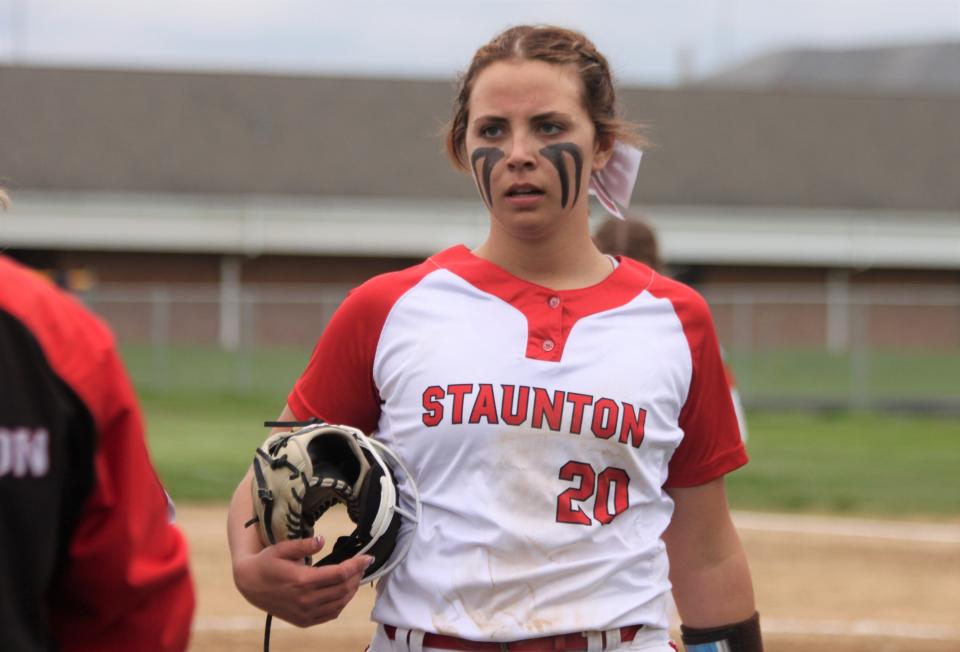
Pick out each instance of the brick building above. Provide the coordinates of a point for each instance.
(227, 182)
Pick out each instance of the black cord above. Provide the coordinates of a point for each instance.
(266, 625)
(279, 424)
(266, 633)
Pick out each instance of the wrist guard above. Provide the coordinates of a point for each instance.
(738, 637)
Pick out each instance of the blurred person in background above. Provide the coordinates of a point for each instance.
(632, 237)
(635, 238)
(89, 557)
(565, 414)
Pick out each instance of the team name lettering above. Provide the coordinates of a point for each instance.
(24, 452)
(515, 405)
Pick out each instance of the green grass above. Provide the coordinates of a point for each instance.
(203, 433)
(878, 376)
(182, 369)
(846, 462)
(202, 444)
(205, 410)
(838, 463)
(874, 377)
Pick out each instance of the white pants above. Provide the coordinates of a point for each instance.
(647, 639)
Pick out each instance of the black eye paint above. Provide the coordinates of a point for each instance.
(490, 156)
(554, 153)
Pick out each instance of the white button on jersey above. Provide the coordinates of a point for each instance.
(548, 345)
(554, 302)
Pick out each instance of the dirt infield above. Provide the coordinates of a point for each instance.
(822, 584)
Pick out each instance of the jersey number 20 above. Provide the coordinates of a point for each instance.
(609, 489)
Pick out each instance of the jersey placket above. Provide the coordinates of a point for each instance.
(546, 334)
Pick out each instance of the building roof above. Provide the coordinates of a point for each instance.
(252, 226)
(245, 134)
(913, 69)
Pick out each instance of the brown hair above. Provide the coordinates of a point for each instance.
(554, 45)
(631, 237)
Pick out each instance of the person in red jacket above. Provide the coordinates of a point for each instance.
(89, 559)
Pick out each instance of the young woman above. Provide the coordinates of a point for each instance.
(564, 414)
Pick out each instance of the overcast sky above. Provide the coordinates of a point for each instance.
(647, 41)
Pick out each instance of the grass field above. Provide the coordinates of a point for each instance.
(879, 378)
(840, 462)
(203, 434)
(882, 378)
(850, 462)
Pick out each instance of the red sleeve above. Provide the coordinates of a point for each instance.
(125, 582)
(338, 385)
(711, 444)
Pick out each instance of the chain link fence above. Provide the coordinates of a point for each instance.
(893, 347)
(890, 347)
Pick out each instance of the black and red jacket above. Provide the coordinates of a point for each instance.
(88, 558)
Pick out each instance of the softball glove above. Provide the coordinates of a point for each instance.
(299, 475)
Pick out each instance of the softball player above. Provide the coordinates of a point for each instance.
(88, 557)
(564, 413)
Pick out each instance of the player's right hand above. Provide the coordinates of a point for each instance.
(277, 581)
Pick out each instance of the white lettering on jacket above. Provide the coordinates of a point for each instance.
(24, 452)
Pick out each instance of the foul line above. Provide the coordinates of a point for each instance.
(922, 532)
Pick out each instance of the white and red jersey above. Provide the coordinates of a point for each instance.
(541, 427)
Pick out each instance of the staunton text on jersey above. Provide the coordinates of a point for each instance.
(516, 405)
